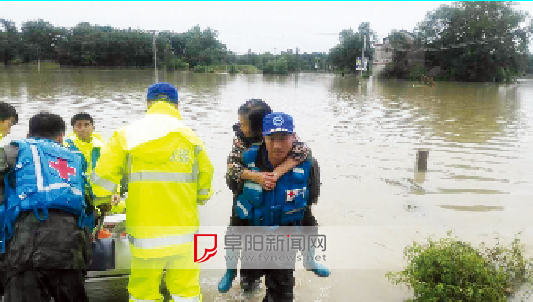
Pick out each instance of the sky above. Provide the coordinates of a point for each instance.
(260, 26)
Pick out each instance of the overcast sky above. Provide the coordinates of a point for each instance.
(259, 26)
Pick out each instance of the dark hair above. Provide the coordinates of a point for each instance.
(7, 111)
(81, 117)
(255, 110)
(46, 125)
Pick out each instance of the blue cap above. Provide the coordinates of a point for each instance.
(164, 91)
(277, 122)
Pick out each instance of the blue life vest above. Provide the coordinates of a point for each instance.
(48, 176)
(285, 205)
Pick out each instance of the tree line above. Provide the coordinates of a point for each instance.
(95, 45)
(464, 41)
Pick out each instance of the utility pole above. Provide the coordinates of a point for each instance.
(155, 55)
(363, 56)
(39, 60)
(298, 58)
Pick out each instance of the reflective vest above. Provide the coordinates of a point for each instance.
(168, 174)
(90, 150)
(91, 153)
(285, 205)
(47, 176)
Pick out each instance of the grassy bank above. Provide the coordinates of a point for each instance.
(43, 64)
(233, 69)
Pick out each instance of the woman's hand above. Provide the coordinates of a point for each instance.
(268, 180)
(115, 199)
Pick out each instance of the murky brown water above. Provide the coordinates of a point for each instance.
(365, 137)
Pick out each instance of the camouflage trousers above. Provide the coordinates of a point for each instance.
(64, 285)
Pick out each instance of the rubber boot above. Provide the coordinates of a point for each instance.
(226, 282)
(311, 265)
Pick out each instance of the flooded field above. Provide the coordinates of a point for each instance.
(364, 135)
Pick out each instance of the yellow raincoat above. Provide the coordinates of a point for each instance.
(169, 174)
(91, 152)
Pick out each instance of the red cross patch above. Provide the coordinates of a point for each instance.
(293, 193)
(62, 167)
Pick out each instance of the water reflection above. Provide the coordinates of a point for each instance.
(276, 79)
(198, 84)
(99, 83)
(475, 125)
(460, 113)
(113, 96)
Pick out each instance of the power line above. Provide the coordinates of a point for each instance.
(449, 46)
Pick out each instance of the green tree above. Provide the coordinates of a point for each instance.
(476, 41)
(203, 47)
(345, 54)
(276, 66)
(9, 41)
(39, 40)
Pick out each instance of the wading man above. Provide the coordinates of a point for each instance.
(288, 204)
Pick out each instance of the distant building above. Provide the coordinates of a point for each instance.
(382, 55)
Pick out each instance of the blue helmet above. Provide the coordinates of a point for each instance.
(163, 91)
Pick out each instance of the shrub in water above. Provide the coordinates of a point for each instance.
(232, 69)
(200, 69)
(452, 270)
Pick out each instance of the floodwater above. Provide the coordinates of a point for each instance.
(365, 136)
